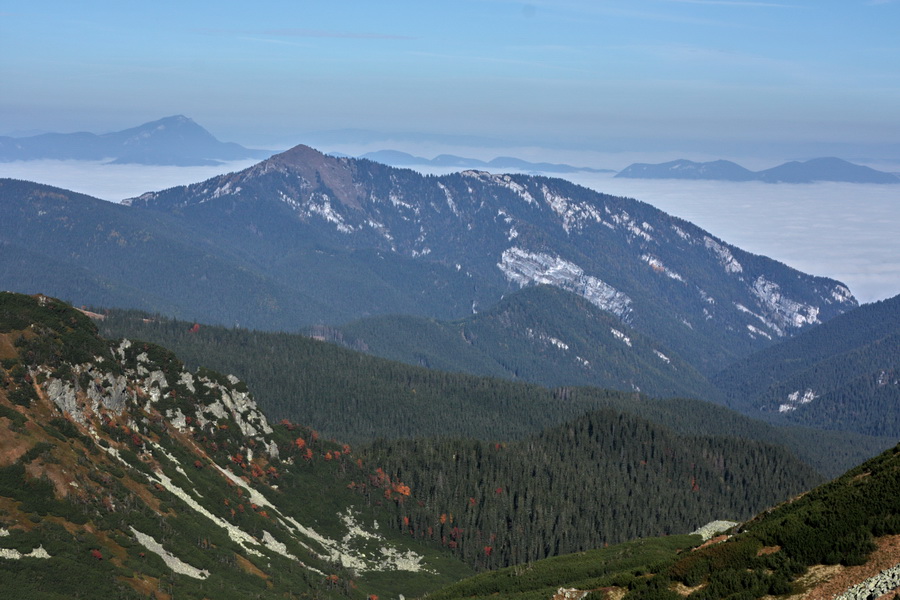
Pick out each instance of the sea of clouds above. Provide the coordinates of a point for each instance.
(849, 232)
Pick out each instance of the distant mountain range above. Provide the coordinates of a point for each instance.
(817, 169)
(176, 140)
(396, 158)
(304, 238)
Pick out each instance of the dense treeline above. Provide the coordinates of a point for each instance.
(580, 485)
(848, 369)
(356, 398)
(836, 523)
(540, 335)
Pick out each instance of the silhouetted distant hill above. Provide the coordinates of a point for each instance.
(396, 158)
(174, 140)
(817, 169)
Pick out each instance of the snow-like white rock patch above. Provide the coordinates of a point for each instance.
(237, 535)
(11, 554)
(173, 562)
(783, 311)
(254, 495)
(187, 380)
(275, 546)
(756, 331)
(682, 233)
(559, 343)
(726, 259)
(523, 268)
(658, 266)
(621, 337)
(797, 399)
(574, 215)
(710, 530)
(327, 212)
(388, 558)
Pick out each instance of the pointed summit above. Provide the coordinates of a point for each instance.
(176, 140)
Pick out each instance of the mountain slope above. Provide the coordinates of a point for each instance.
(663, 276)
(358, 398)
(175, 140)
(120, 465)
(124, 475)
(842, 375)
(816, 169)
(840, 541)
(540, 335)
(589, 482)
(91, 251)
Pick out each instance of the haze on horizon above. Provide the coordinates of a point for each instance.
(726, 78)
(601, 84)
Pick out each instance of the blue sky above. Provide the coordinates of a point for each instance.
(789, 75)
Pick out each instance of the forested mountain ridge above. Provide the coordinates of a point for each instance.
(663, 276)
(90, 251)
(539, 334)
(146, 476)
(582, 485)
(844, 374)
(124, 472)
(303, 238)
(838, 541)
(358, 398)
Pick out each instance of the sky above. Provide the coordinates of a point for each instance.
(777, 78)
(600, 83)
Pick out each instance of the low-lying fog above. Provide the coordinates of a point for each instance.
(850, 232)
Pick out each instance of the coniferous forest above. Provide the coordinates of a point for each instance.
(491, 478)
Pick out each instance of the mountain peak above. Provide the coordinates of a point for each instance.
(174, 140)
(332, 175)
(299, 156)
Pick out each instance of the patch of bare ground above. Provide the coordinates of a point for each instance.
(615, 593)
(768, 550)
(92, 315)
(683, 590)
(823, 582)
(712, 541)
(249, 567)
(55, 473)
(143, 584)
(12, 445)
(7, 349)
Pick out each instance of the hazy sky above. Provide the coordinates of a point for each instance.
(603, 74)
